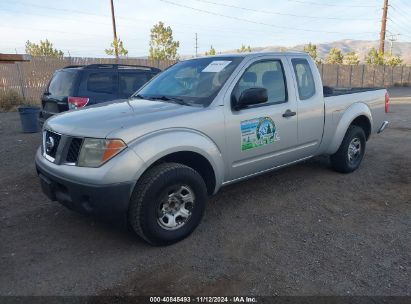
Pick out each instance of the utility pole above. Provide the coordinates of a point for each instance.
(196, 47)
(383, 26)
(113, 18)
(392, 38)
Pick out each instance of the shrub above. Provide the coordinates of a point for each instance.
(10, 100)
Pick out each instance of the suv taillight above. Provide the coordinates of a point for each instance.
(77, 102)
(387, 100)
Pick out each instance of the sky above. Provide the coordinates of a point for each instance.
(84, 28)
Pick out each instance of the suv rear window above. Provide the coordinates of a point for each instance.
(101, 82)
(62, 83)
(131, 82)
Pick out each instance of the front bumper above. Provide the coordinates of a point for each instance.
(107, 202)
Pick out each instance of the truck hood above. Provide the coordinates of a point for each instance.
(100, 120)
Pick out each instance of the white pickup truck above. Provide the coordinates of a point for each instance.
(152, 160)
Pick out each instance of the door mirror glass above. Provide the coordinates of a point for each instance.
(251, 96)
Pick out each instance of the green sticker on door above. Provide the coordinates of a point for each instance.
(258, 132)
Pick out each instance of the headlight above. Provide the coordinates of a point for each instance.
(94, 152)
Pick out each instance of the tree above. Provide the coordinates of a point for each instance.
(162, 44)
(211, 52)
(392, 60)
(244, 49)
(311, 49)
(120, 48)
(44, 48)
(351, 58)
(334, 56)
(374, 57)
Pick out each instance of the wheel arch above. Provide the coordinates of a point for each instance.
(363, 122)
(357, 114)
(194, 150)
(195, 161)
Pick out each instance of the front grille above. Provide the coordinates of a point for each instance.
(51, 143)
(74, 150)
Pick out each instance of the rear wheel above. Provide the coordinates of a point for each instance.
(167, 203)
(351, 152)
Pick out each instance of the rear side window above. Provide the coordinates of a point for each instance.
(305, 79)
(131, 82)
(62, 83)
(101, 82)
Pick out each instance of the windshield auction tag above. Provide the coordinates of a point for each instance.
(216, 66)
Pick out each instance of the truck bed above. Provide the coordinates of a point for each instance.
(338, 101)
(330, 91)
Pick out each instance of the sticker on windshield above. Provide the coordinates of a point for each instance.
(216, 66)
(258, 132)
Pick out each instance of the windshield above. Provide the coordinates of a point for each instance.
(191, 82)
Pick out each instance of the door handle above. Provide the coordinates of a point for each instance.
(289, 113)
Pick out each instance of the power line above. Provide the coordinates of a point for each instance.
(403, 28)
(328, 4)
(278, 13)
(48, 30)
(400, 13)
(58, 9)
(405, 4)
(257, 22)
(48, 16)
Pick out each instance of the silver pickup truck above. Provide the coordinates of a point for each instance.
(152, 160)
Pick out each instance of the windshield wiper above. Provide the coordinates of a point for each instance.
(171, 99)
(138, 96)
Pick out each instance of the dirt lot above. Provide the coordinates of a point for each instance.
(303, 230)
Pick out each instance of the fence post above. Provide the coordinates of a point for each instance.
(409, 72)
(362, 76)
(350, 75)
(338, 69)
(392, 76)
(373, 77)
(23, 91)
(383, 77)
(322, 72)
(402, 72)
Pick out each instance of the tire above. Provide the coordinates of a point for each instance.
(167, 203)
(351, 151)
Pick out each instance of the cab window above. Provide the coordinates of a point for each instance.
(268, 74)
(305, 79)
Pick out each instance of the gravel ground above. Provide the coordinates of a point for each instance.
(302, 230)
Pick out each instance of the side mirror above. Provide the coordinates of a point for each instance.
(251, 96)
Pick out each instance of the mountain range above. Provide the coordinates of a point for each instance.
(361, 47)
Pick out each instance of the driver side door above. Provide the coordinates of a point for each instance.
(261, 136)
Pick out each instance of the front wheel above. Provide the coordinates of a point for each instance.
(167, 203)
(351, 152)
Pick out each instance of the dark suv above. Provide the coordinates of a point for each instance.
(74, 87)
